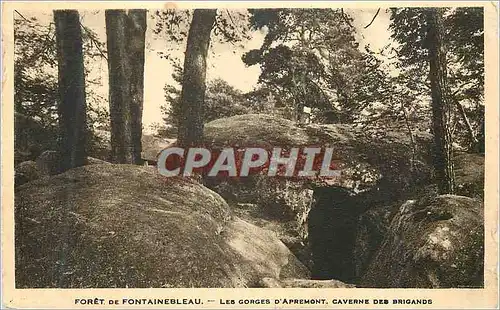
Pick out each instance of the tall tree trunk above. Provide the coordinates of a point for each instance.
(136, 45)
(119, 90)
(193, 82)
(72, 108)
(126, 42)
(441, 105)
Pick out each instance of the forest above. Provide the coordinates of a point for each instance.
(406, 119)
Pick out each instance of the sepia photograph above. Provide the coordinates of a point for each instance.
(244, 147)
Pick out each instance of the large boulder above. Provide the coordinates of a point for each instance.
(436, 242)
(127, 226)
(286, 231)
(267, 131)
(258, 130)
(49, 162)
(31, 138)
(25, 172)
(363, 156)
(374, 224)
(371, 229)
(469, 174)
(46, 164)
(368, 160)
(152, 145)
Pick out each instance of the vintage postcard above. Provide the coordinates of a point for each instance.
(256, 155)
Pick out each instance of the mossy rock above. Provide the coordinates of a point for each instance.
(435, 242)
(104, 225)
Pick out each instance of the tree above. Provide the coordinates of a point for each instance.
(194, 76)
(441, 105)
(456, 80)
(119, 90)
(126, 41)
(310, 57)
(35, 83)
(136, 45)
(463, 43)
(229, 26)
(221, 100)
(35, 71)
(466, 80)
(71, 82)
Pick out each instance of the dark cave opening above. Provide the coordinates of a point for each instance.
(332, 226)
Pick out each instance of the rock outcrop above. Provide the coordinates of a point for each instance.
(108, 225)
(46, 164)
(469, 174)
(371, 229)
(31, 138)
(368, 161)
(431, 243)
(373, 225)
(363, 156)
(25, 172)
(152, 145)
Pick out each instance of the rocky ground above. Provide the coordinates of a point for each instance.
(380, 225)
(126, 226)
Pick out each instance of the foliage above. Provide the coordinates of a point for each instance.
(310, 58)
(34, 66)
(35, 76)
(172, 25)
(464, 45)
(221, 100)
(226, 27)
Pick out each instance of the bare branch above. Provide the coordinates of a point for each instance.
(232, 21)
(94, 41)
(465, 119)
(49, 39)
(345, 18)
(375, 16)
(29, 21)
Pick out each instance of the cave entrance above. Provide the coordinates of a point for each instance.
(332, 226)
